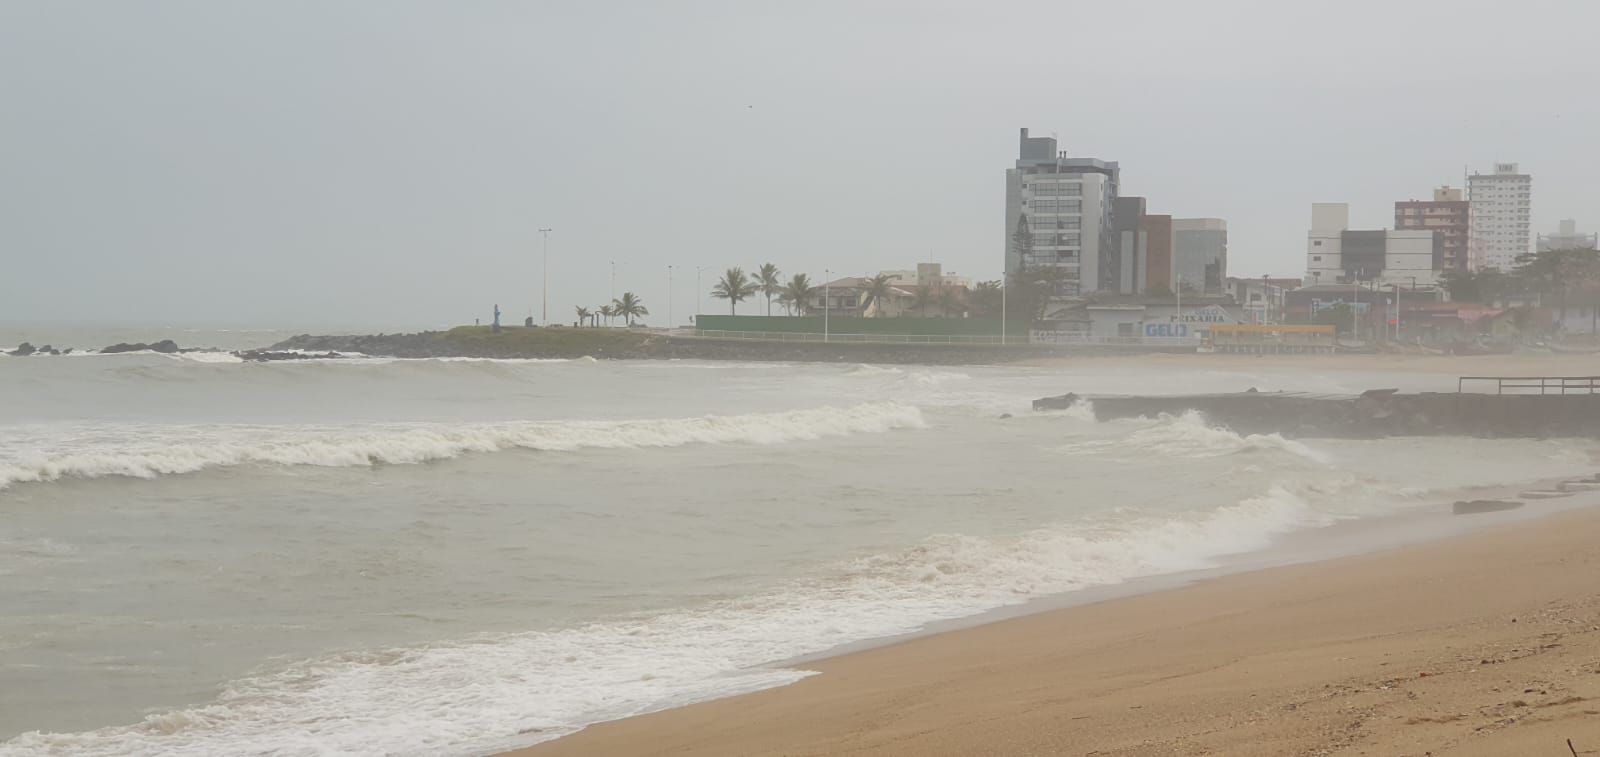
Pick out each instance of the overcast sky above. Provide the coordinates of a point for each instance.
(390, 163)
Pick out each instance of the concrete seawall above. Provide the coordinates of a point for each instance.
(1373, 414)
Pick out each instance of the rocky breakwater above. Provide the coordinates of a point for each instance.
(638, 344)
(1372, 414)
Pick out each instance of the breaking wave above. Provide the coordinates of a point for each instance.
(151, 452)
(490, 693)
(1190, 435)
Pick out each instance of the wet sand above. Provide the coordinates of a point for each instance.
(1484, 644)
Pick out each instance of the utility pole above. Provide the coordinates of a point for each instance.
(827, 279)
(669, 296)
(544, 302)
(613, 280)
(699, 298)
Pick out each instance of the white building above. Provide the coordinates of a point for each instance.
(1336, 254)
(1066, 206)
(1568, 238)
(1500, 205)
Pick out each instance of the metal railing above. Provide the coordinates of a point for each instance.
(786, 336)
(1544, 384)
(1070, 338)
(1036, 338)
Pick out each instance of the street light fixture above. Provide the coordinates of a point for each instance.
(544, 302)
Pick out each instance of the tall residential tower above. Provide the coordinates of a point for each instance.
(1059, 214)
(1500, 205)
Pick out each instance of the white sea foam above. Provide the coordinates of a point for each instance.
(1190, 435)
(150, 452)
(479, 695)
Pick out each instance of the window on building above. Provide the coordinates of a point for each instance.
(1317, 243)
(1126, 329)
(1317, 258)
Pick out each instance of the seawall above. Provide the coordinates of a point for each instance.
(1373, 414)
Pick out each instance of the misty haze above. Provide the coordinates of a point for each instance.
(708, 378)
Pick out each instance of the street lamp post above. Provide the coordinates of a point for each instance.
(613, 280)
(669, 296)
(699, 297)
(544, 300)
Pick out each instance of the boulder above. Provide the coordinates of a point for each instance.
(24, 350)
(1062, 402)
(165, 347)
(48, 350)
(124, 347)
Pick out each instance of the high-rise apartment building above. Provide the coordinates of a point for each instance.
(1568, 238)
(1199, 254)
(1500, 206)
(1059, 215)
(1448, 213)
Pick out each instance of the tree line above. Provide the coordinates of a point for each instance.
(1556, 277)
(797, 295)
(627, 307)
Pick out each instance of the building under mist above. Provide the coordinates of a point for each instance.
(1448, 214)
(1064, 207)
(1568, 238)
(1500, 205)
(1337, 254)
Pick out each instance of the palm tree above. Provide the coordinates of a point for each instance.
(734, 287)
(608, 312)
(629, 306)
(796, 294)
(877, 288)
(767, 280)
(583, 315)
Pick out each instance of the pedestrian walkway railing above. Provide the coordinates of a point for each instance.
(785, 336)
(1036, 338)
(1530, 384)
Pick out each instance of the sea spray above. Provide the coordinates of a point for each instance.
(493, 692)
(148, 453)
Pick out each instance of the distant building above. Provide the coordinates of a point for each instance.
(1261, 301)
(1568, 238)
(1064, 207)
(1200, 254)
(1448, 213)
(1132, 245)
(1500, 205)
(1155, 233)
(927, 291)
(1336, 254)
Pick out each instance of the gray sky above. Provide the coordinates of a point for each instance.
(389, 163)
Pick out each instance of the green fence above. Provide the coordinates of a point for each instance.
(812, 324)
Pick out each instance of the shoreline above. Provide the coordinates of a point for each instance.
(783, 724)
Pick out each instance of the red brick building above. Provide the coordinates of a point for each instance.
(1447, 215)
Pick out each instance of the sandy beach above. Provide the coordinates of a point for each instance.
(1484, 644)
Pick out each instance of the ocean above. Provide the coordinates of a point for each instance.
(452, 557)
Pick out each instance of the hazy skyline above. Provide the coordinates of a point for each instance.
(301, 163)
